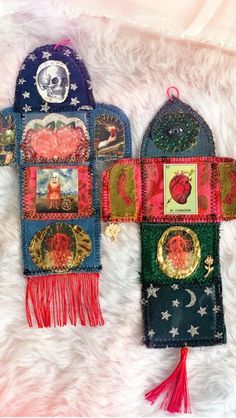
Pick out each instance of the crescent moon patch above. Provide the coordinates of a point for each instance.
(192, 300)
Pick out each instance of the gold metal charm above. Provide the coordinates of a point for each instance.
(178, 252)
(208, 265)
(112, 230)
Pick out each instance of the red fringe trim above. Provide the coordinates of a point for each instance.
(174, 389)
(62, 298)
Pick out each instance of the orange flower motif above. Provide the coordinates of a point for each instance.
(66, 142)
(43, 141)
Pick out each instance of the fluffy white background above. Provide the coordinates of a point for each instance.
(92, 372)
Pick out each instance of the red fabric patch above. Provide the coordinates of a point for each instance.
(106, 203)
(65, 144)
(149, 184)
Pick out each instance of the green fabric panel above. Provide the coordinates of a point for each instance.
(228, 188)
(208, 237)
(122, 191)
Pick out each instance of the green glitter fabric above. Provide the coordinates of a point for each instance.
(177, 131)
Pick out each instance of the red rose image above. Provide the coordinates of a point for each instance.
(43, 141)
(47, 144)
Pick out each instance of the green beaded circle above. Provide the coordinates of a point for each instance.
(175, 132)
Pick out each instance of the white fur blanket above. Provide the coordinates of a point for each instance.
(106, 371)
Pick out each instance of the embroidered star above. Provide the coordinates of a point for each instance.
(67, 52)
(45, 107)
(193, 331)
(151, 333)
(175, 286)
(202, 311)
(174, 332)
(143, 301)
(74, 101)
(208, 290)
(165, 315)
(152, 291)
(216, 309)
(175, 302)
(21, 81)
(26, 95)
(22, 67)
(73, 86)
(27, 108)
(32, 57)
(219, 335)
(46, 55)
(89, 84)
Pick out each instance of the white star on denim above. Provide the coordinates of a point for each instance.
(202, 311)
(73, 86)
(216, 309)
(175, 286)
(219, 335)
(67, 53)
(46, 55)
(165, 315)
(27, 108)
(174, 331)
(32, 57)
(208, 291)
(193, 331)
(21, 81)
(74, 101)
(26, 95)
(44, 108)
(151, 291)
(175, 302)
(89, 84)
(151, 333)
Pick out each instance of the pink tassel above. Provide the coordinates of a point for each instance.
(63, 42)
(61, 298)
(175, 388)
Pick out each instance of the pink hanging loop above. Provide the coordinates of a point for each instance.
(172, 91)
(63, 42)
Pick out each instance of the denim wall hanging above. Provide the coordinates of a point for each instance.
(56, 135)
(179, 192)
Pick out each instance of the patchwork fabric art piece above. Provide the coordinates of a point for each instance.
(56, 134)
(179, 192)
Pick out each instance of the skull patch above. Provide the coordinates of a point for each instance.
(52, 81)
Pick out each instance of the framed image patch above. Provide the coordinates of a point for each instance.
(57, 192)
(187, 252)
(61, 246)
(55, 137)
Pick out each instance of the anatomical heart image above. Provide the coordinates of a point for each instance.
(180, 189)
(57, 190)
